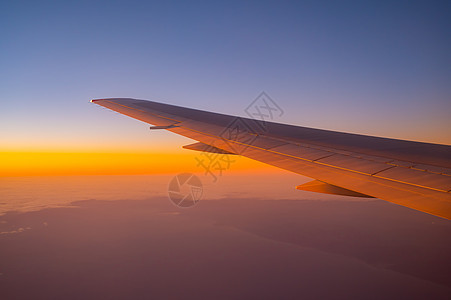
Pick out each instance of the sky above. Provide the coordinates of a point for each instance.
(378, 68)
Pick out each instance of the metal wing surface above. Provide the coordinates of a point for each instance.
(412, 174)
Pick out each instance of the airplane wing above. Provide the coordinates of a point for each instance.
(412, 174)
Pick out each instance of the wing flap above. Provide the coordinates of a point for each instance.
(355, 164)
(417, 177)
(306, 153)
(433, 169)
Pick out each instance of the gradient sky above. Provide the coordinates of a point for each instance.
(370, 67)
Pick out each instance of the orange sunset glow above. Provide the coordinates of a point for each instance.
(111, 163)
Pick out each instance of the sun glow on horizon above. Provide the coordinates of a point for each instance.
(108, 163)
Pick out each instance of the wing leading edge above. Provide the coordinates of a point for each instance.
(412, 174)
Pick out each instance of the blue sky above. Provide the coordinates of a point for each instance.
(378, 68)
